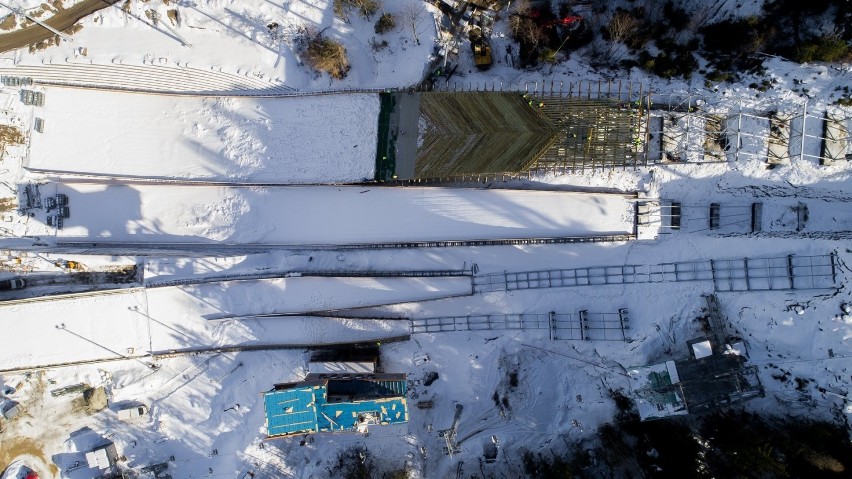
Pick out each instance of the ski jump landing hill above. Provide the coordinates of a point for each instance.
(291, 140)
(328, 216)
(214, 170)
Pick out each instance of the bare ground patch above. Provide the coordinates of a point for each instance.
(10, 135)
(9, 22)
(8, 204)
(17, 447)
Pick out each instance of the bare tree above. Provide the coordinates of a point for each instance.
(524, 29)
(324, 54)
(366, 8)
(412, 17)
(653, 10)
(701, 16)
(622, 27)
(523, 7)
(341, 10)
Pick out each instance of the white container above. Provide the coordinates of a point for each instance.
(133, 412)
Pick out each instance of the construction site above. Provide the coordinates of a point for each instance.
(493, 133)
(451, 132)
(472, 132)
(217, 261)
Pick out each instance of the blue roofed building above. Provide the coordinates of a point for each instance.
(335, 403)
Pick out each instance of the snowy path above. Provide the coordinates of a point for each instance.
(176, 318)
(330, 215)
(148, 78)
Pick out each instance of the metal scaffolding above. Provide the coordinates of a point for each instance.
(614, 124)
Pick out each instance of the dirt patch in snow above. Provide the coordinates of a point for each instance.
(7, 204)
(25, 448)
(10, 135)
(9, 22)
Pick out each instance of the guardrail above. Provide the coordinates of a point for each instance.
(213, 350)
(321, 274)
(140, 249)
(64, 296)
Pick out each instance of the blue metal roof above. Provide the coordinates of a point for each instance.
(305, 408)
(291, 411)
(343, 416)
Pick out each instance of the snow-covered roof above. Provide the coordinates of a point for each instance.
(701, 349)
(331, 367)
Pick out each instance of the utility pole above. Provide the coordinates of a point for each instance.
(22, 13)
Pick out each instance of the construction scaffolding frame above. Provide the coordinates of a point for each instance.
(686, 130)
(665, 215)
(615, 124)
(783, 273)
(581, 326)
(717, 381)
(602, 125)
(778, 142)
(682, 131)
(830, 129)
(717, 323)
(772, 274)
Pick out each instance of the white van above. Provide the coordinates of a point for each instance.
(132, 412)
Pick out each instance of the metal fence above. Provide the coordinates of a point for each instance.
(744, 274)
(559, 326)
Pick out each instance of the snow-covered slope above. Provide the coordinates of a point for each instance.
(297, 140)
